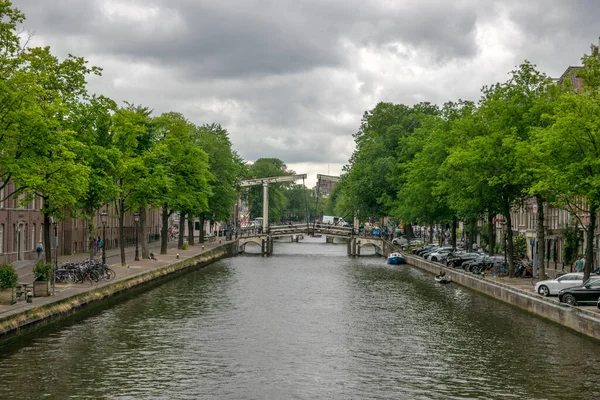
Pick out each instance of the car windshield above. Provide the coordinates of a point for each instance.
(595, 282)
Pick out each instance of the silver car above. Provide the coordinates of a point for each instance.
(551, 287)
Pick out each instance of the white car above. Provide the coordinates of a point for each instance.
(440, 254)
(553, 286)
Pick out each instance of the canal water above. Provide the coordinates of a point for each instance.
(307, 323)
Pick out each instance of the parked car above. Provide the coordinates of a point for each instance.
(482, 262)
(587, 293)
(455, 260)
(551, 287)
(412, 244)
(438, 254)
(400, 241)
(429, 251)
(419, 250)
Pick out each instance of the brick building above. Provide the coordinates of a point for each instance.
(21, 228)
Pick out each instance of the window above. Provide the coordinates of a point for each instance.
(33, 236)
(2, 238)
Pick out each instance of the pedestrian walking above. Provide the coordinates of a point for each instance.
(100, 243)
(39, 248)
(95, 246)
(579, 264)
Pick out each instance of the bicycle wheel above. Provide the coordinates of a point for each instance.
(71, 277)
(109, 274)
(93, 276)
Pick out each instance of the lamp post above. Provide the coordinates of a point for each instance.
(103, 218)
(136, 219)
(54, 222)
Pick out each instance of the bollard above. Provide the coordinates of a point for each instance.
(178, 256)
(29, 296)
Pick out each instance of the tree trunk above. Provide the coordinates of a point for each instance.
(491, 234)
(190, 229)
(91, 233)
(589, 243)
(142, 234)
(181, 235)
(453, 233)
(540, 240)
(201, 238)
(121, 211)
(408, 231)
(163, 229)
(509, 242)
(430, 233)
(472, 233)
(47, 241)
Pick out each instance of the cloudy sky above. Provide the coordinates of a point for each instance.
(291, 79)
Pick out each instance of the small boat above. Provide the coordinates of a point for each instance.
(396, 258)
(443, 278)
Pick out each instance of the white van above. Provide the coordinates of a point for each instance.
(333, 220)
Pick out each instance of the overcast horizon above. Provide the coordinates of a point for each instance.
(292, 79)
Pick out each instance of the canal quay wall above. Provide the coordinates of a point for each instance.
(47, 310)
(582, 320)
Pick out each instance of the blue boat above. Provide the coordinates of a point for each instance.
(396, 258)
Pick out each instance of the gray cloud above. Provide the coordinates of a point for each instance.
(291, 79)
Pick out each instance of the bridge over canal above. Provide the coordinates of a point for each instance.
(354, 241)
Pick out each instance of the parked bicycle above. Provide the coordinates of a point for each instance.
(87, 270)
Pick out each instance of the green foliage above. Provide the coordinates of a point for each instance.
(42, 270)
(185, 246)
(370, 179)
(8, 276)
(520, 246)
(265, 168)
(226, 169)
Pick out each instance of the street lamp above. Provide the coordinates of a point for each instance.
(103, 218)
(136, 219)
(54, 222)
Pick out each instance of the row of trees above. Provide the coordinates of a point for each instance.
(526, 138)
(79, 151)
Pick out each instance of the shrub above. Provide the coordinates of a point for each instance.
(185, 246)
(8, 276)
(42, 270)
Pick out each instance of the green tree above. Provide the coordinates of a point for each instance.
(226, 168)
(186, 166)
(92, 122)
(571, 148)
(132, 178)
(266, 168)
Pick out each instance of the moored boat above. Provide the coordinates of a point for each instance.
(396, 258)
(443, 278)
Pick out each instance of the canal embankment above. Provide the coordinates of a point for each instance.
(68, 299)
(584, 320)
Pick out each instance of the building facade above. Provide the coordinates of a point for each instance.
(22, 224)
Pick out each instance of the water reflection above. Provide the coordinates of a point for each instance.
(307, 323)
